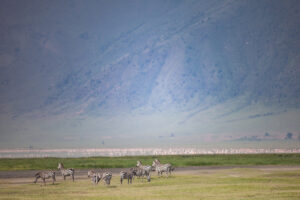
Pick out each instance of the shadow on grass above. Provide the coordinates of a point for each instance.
(111, 186)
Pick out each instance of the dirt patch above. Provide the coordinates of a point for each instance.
(82, 173)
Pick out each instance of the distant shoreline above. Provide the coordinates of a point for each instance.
(115, 152)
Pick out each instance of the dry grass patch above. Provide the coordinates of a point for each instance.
(226, 184)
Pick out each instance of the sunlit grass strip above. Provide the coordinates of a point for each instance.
(130, 161)
(223, 184)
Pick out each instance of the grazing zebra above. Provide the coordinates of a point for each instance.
(66, 172)
(137, 172)
(171, 167)
(126, 175)
(145, 170)
(160, 168)
(106, 177)
(96, 177)
(91, 173)
(45, 175)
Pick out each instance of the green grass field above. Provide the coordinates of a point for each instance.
(130, 161)
(233, 184)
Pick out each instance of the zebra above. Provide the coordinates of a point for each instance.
(66, 172)
(137, 172)
(127, 175)
(106, 177)
(95, 177)
(145, 170)
(160, 168)
(91, 173)
(45, 175)
(171, 167)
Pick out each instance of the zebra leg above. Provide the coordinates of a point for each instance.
(44, 181)
(121, 180)
(73, 177)
(36, 178)
(64, 177)
(149, 178)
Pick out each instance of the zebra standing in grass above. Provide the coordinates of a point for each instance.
(106, 177)
(160, 168)
(145, 170)
(66, 172)
(95, 177)
(126, 175)
(137, 172)
(45, 175)
(91, 173)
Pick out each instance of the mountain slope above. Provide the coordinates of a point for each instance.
(177, 66)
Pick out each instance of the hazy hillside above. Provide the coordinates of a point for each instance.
(202, 70)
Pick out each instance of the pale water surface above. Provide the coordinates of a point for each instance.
(90, 152)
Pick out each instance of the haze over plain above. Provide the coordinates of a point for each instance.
(148, 73)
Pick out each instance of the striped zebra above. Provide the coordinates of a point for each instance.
(145, 170)
(171, 167)
(137, 172)
(45, 175)
(160, 168)
(95, 176)
(91, 173)
(106, 177)
(66, 172)
(126, 175)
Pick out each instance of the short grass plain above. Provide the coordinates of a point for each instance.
(278, 178)
(234, 184)
(130, 161)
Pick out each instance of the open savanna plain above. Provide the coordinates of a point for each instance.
(274, 176)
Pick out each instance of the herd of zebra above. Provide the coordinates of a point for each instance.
(141, 171)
